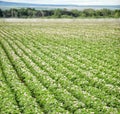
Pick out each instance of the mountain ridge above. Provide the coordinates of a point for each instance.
(17, 3)
(8, 5)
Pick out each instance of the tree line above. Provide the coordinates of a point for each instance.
(59, 13)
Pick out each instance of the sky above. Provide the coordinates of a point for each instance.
(77, 2)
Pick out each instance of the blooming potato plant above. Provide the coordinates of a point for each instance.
(59, 67)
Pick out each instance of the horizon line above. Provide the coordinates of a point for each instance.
(60, 4)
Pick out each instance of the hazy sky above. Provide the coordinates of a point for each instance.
(78, 2)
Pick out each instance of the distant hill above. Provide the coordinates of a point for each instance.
(2, 3)
(8, 5)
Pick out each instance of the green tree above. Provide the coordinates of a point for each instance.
(57, 13)
(117, 14)
(1, 13)
(75, 13)
(106, 12)
(89, 12)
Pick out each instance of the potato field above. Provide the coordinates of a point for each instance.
(60, 66)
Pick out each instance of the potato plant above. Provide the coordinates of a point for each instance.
(60, 66)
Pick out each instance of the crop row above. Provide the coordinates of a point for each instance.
(58, 71)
